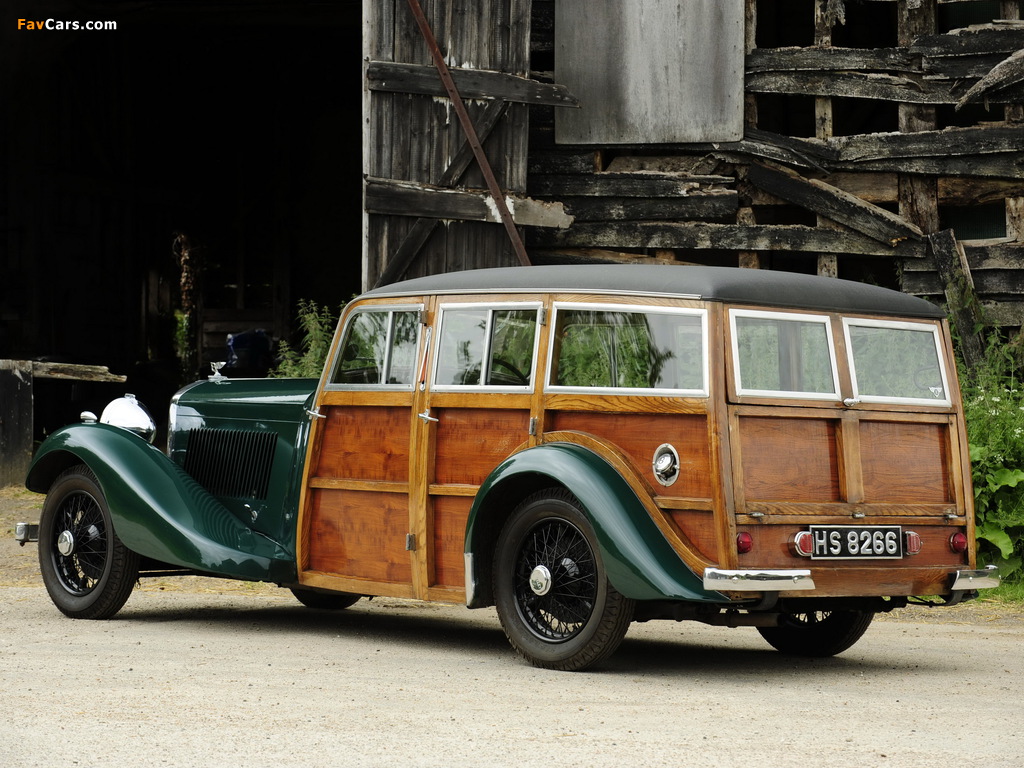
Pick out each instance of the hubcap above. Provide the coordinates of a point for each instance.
(540, 580)
(66, 543)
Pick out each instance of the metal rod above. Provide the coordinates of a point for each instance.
(470, 131)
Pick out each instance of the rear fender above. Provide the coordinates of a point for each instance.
(639, 561)
(157, 509)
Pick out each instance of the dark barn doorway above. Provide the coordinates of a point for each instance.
(235, 123)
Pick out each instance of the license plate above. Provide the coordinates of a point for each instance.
(856, 542)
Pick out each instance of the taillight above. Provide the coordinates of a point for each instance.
(802, 544)
(911, 542)
(744, 542)
(958, 542)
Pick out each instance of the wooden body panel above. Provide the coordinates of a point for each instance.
(392, 475)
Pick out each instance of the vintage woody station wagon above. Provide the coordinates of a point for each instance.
(581, 447)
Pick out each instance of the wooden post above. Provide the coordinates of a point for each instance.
(745, 215)
(828, 263)
(15, 420)
(1011, 11)
(961, 299)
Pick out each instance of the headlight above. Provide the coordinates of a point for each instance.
(128, 413)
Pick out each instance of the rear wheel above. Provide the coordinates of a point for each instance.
(553, 598)
(818, 633)
(325, 601)
(88, 572)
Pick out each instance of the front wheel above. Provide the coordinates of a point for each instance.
(88, 572)
(818, 633)
(553, 598)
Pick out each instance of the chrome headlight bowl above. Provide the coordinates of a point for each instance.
(128, 413)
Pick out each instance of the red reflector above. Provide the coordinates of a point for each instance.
(958, 542)
(803, 544)
(744, 542)
(911, 542)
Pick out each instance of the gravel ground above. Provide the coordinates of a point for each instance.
(196, 672)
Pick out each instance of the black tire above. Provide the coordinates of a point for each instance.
(818, 633)
(570, 618)
(87, 571)
(325, 601)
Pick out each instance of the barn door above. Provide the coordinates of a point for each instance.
(427, 205)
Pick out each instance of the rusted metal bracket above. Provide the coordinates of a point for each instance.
(470, 131)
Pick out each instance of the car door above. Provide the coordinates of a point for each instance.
(355, 521)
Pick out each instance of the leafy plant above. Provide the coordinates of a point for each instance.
(307, 361)
(994, 409)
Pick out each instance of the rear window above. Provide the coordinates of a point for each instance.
(614, 348)
(781, 354)
(896, 362)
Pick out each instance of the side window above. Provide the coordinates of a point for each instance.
(783, 355)
(379, 348)
(486, 346)
(896, 361)
(614, 348)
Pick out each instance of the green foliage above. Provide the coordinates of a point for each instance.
(317, 325)
(994, 409)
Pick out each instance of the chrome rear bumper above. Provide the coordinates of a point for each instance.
(757, 580)
(986, 578)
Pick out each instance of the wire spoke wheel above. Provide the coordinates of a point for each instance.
(818, 633)
(553, 598)
(88, 572)
(555, 580)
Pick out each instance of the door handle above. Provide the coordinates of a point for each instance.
(426, 416)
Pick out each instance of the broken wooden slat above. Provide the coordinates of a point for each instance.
(75, 372)
(716, 205)
(626, 185)
(726, 237)
(393, 77)
(406, 198)
(835, 204)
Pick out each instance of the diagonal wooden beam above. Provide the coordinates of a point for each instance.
(421, 231)
(471, 135)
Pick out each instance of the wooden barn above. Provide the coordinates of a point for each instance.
(879, 140)
(238, 156)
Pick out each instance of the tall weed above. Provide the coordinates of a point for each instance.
(307, 361)
(993, 394)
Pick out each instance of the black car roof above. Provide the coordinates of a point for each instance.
(727, 284)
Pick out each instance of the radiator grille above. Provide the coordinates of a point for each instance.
(231, 462)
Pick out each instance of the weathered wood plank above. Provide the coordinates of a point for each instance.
(403, 198)
(392, 77)
(719, 205)
(833, 203)
(621, 185)
(16, 417)
(995, 138)
(816, 59)
(704, 236)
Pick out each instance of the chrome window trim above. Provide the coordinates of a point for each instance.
(903, 325)
(648, 309)
(824, 320)
(491, 308)
(334, 360)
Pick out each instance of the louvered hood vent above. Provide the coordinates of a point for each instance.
(231, 462)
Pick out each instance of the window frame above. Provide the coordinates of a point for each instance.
(906, 325)
(737, 375)
(647, 309)
(491, 308)
(391, 310)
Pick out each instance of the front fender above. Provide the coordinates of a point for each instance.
(638, 560)
(157, 509)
